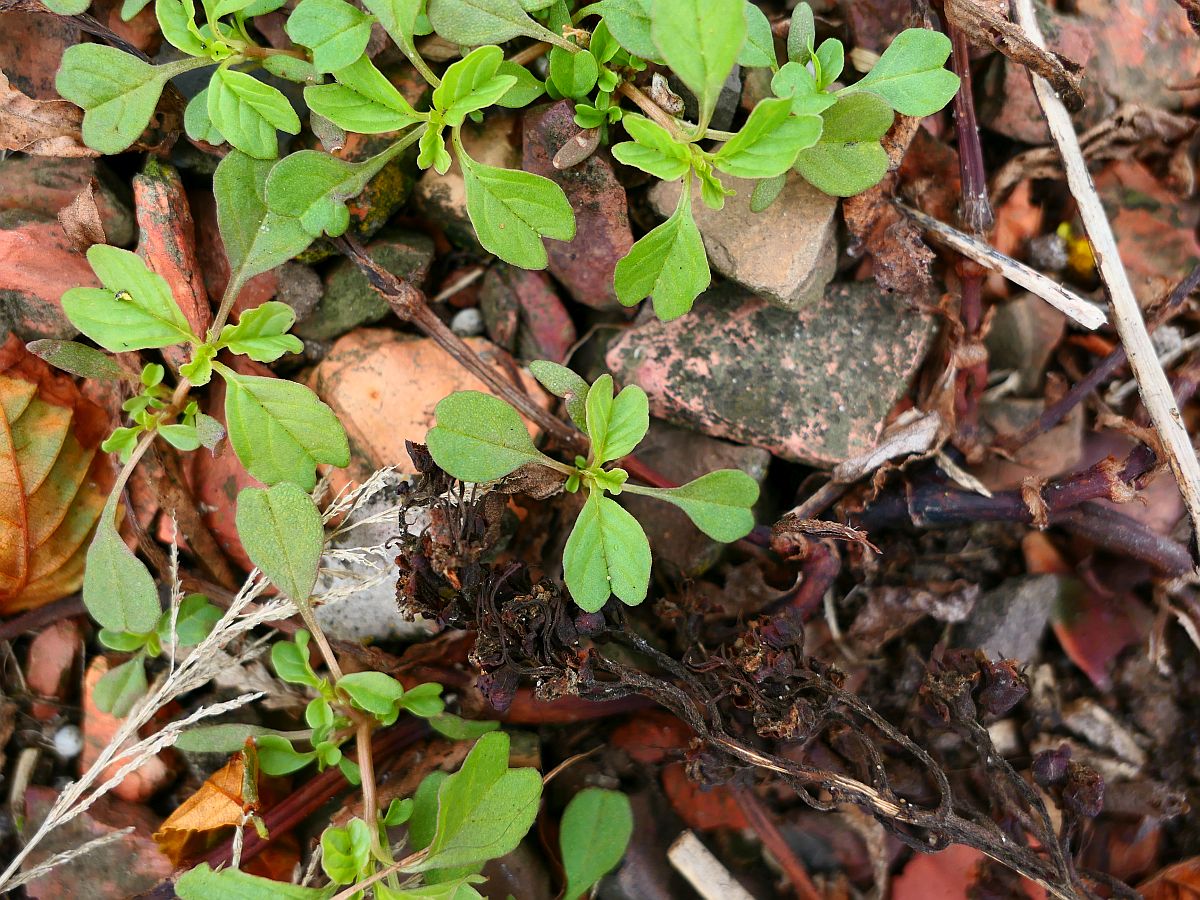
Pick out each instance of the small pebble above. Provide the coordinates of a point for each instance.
(467, 322)
(68, 741)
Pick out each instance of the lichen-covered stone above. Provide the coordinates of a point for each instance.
(602, 235)
(813, 387)
(786, 255)
(350, 301)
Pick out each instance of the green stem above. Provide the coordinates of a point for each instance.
(419, 63)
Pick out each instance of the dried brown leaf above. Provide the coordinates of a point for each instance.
(40, 127)
(53, 479)
(80, 219)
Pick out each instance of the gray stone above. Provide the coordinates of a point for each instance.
(368, 611)
(786, 254)
(812, 387)
(1008, 622)
(1022, 336)
(727, 100)
(467, 322)
(682, 455)
(350, 301)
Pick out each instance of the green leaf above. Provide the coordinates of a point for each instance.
(281, 530)
(480, 438)
(78, 359)
(766, 192)
(433, 153)
(459, 729)
(134, 310)
(563, 383)
(398, 812)
(193, 621)
(292, 663)
(280, 430)
(375, 693)
(68, 7)
(458, 889)
(174, 18)
(832, 58)
(202, 883)
(513, 210)
(573, 74)
(198, 370)
(653, 149)
(607, 552)
(276, 755)
(291, 68)
(484, 809)
(256, 238)
(796, 82)
(595, 831)
(668, 264)
(180, 436)
(336, 32)
(475, 22)
(225, 738)
(346, 852)
(471, 83)
(526, 88)
(849, 158)
(910, 74)
(122, 641)
(248, 112)
(210, 431)
(197, 124)
(719, 503)
(629, 21)
(615, 425)
(117, 91)
(261, 333)
(424, 700)
(769, 142)
(363, 100)
(423, 822)
(398, 18)
(118, 590)
(802, 36)
(700, 40)
(119, 689)
(313, 187)
(759, 50)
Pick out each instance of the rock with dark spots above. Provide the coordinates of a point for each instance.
(1008, 622)
(350, 301)
(362, 606)
(524, 315)
(1154, 226)
(45, 185)
(786, 255)
(31, 47)
(443, 198)
(682, 455)
(1142, 49)
(812, 387)
(585, 265)
(37, 266)
(126, 867)
(1010, 105)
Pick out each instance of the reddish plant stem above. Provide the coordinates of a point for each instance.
(976, 214)
(774, 841)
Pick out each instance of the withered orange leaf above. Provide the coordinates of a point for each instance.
(53, 479)
(1177, 882)
(199, 821)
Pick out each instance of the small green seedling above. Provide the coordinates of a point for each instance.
(480, 438)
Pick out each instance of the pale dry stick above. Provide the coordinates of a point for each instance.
(1067, 302)
(704, 871)
(1131, 328)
